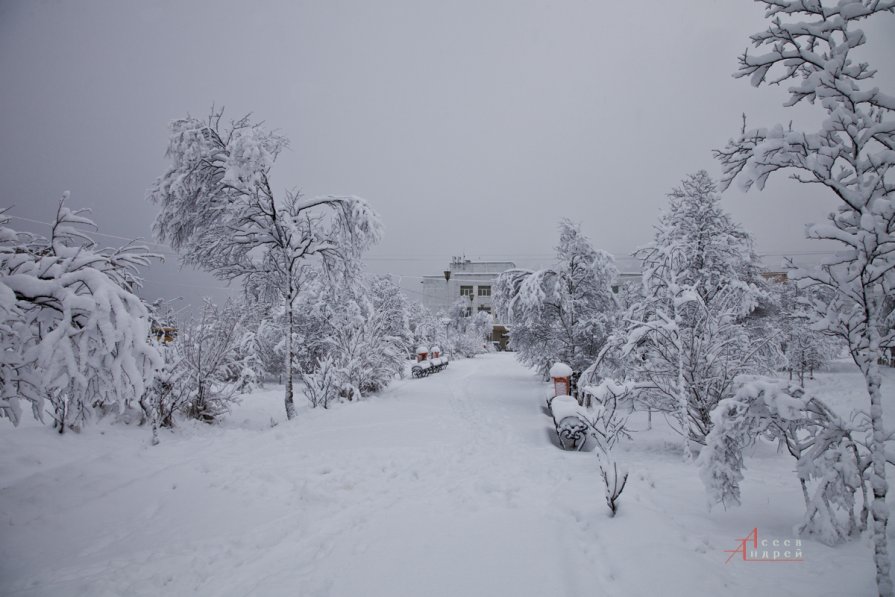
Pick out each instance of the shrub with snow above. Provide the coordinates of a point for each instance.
(830, 459)
(72, 331)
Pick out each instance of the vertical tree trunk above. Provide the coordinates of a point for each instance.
(60, 415)
(682, 394)
(879, 485)
(290, 403)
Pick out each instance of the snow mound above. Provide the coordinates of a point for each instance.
(560, 370)
(564, 406)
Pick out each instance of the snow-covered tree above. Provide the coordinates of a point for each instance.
(562, 313)
(219, 210)
(805, 348)
(686, 339)
(812, 45)
(481, 327)
(389, 300)
(462, 333)
(423, 324)
(72, 331)
(698, 245)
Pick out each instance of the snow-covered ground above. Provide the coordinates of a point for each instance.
(449, 485)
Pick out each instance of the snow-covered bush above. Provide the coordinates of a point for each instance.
(830, 462)
(214, 367)
(463, 335)
(167, 395)
(358, 326)
(72, 331)
(562, 313)
(423, 324)
(268, 346)
(322, 386)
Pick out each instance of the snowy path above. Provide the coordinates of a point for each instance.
(444, 486)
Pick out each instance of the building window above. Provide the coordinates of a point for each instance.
(468, 311)
(484, 291)
(485, 308)
(466, 291)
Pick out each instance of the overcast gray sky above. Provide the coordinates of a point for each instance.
(471, 126)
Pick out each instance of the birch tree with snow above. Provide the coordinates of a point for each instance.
(812, 46)
(220, 211)
(72, 331)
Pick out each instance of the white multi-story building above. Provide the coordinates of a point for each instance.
(471, 281)
(466, 280)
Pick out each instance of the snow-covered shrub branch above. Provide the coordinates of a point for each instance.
(322, 386)
(214, 368)
(72, 331)
(614, 481)
(830, 458)
(609, 404)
